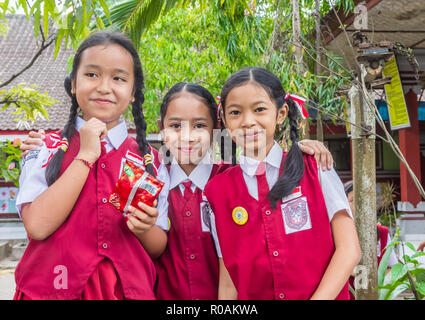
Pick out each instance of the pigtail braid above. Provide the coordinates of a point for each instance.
(139, 121)
(53, 168)
(293, 168)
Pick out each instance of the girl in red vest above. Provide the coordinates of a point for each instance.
(80, 246)
(188, 268)
(284, 228)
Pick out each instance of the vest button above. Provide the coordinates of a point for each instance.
(188, 213)
(102, 166)
(268, 212)
(104, 245)
(192, 257)
(104, 200)
(281, 295)
(275, 253)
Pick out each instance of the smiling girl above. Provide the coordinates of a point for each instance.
(284, 228)
(80, 246)
(189, 269)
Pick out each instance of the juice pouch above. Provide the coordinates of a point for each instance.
(135, 185)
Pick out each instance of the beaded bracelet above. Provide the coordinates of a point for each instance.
(87, 163)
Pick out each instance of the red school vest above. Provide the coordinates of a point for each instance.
(188, 268)
(263, 260)
(93, 230)
(383, 238)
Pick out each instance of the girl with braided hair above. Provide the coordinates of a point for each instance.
(284, 228)
(80, 247)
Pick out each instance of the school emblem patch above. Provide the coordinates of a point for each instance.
(296, 216)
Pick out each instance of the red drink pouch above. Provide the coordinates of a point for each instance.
(135, 185)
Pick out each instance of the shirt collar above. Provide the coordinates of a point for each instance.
(116, 136)
(273, 158)
(199, 176)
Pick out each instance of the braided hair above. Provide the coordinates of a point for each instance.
(103, 38)
(293, 168)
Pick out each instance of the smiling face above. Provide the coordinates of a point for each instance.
(251, 118)
(104, 82)
(188, 129)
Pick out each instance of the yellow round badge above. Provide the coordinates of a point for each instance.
(169, 224)
(240, 215)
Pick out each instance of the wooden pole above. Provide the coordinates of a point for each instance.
(364, 179)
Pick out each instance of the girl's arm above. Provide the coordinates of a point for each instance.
(346, 256)
(226, 288)
(142, 224)
(48, 211)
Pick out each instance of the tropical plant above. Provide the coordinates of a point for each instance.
(407, 274)
(10, 156)
(28, 102)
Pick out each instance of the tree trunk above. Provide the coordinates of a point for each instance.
(318, 68)
(296, 35)
(364, 178)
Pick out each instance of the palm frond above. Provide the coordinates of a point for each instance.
(134, 16)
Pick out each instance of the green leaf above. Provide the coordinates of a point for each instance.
(46, 19)
(420, 286)
(58, 41)
(397, 272)
(411, 247)
(418, 254)
(394, 293)
(105, 8)
(383, 265)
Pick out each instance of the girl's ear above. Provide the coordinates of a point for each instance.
(282, 113)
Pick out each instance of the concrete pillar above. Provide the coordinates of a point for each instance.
(410, 147)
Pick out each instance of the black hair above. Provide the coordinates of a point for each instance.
(348, 187)
(196, 89)
(104, 38)
(293, 168)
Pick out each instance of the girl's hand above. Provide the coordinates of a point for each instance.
(91, 133)
(421, 246)
(32, 142)
(320, 152)
(141, 220)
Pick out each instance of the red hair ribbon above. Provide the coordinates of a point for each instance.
(299, 102)
(218, 107)
(58, 142)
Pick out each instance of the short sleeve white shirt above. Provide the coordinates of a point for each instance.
(331, 185)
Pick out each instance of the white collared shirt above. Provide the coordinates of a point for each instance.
(331, 185)
(199, 176)
(32, 180)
